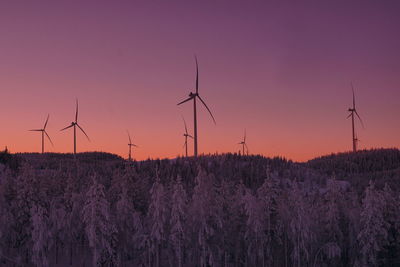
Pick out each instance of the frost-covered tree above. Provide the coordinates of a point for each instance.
(157, 218)
(255, 224)
(300, 225)
(267, 194)
(100, 230)
(331, 235)
(40, 236)
(373, 234)
(178, 220)
(128, 226)
(206, 220)
(391, 214)
(58, 222)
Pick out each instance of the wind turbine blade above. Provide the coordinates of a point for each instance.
(130, 142)
(83, 131)
(67, 127)
(184, 122)
(35, 130)
(197, 75)
(204, 103)
(49, 138)
(135, 145)
(184, 143)
(190, 136)
(360, 119)
(244, 139)
(76, 112)
(45, 124)
(245, 145)
(186, 100)
(354, 98)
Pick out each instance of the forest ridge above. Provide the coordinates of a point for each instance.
(217, 210)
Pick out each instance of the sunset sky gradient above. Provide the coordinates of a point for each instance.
(280, 69)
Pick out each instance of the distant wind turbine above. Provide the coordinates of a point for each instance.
(194, 96)
(357, 142)
(74, 124)
(244, 145)
(186, 135)
(353, 111)
(130, 144)
(43, 130)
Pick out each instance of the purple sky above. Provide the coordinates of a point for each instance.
(280, 69)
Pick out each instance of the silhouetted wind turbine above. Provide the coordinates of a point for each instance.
(130, 144)
(43, 130)
(357, 142)
(186, 135)
(243, 143)
(194, 96)
(74, 124)
(353, 111)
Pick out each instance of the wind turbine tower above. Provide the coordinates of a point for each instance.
(353, 111)
(43, 131)
(244, 145)
(194, 96)
(130, 145)
(186, 135)
(75, 124)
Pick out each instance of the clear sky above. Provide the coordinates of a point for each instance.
(280, 69)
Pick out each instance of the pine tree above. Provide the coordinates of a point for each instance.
(128, 225)
(205, 216)
(373, 235)
(58, 223)
(157, 218)
(331, 234)
(178, 220)
(99, 228)
(391, 214)
(40, 236)
(300, 225)
(267, 195)
(255, 224)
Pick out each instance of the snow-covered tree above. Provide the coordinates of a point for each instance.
(373, 234)
(40, 236)
(255, 225)
(205, 216)
(100, 230)
(58, 222)
(300, 225)
(157, 218)
(178, 220)
(128, 225)
(331, 235)
(267, 195)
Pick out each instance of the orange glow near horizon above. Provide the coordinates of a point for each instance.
(280, 71)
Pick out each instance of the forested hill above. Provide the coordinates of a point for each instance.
(216, 210)
(379, 165)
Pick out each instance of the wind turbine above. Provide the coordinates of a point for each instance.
(43, 130)
(130, 144)
(244, 145)
(357, 142)
(186, 135)
(194, 96)
(74, 124)
(353, 111)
